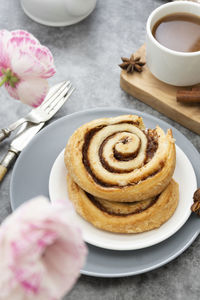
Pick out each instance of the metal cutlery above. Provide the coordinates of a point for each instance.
(32, 123)
(53, 101)
(17, 145)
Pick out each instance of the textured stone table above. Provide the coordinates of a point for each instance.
(88, 54)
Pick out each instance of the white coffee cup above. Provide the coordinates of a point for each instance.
(172, 67)
(58, 12)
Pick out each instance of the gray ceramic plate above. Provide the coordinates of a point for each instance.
(31, 177)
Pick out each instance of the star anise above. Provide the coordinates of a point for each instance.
(196, 205)
(132, 64)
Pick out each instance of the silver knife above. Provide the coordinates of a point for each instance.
(24, 136)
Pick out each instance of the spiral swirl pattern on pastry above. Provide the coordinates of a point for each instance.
(117, 159)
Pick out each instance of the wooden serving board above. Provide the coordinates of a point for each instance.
(160, 96)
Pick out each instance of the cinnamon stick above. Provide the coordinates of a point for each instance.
(188, 96)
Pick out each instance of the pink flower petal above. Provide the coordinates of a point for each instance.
(65, 275)
(36, 62)
(20, 42)
(23, 33)
(25, 65)
(28, 57)
(29, 61)
(32, 91)
(4, 55)
(12, 91)
(45, 57)
(41, 252)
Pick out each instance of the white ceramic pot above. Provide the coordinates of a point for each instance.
(58, 12)
(172, 67)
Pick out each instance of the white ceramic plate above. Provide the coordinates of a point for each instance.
(184, 175)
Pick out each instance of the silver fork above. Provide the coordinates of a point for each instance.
(53, 101)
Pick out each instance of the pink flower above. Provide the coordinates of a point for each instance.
(25, 66)
(41, 251)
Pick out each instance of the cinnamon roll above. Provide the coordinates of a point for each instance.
(119, 160)
(124, 217)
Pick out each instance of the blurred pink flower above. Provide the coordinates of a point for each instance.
(41, 251)
(25, 66)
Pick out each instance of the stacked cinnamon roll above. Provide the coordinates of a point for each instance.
(120, 174)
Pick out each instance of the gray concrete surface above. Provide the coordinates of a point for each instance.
(88, 54)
